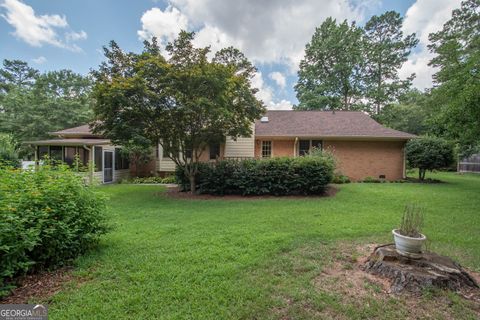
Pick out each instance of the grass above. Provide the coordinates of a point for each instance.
(261, 259)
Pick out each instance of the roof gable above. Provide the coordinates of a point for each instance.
(83, 131)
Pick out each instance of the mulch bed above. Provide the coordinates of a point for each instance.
(39, 286)
(174, 192)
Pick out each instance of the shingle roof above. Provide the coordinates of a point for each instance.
(69, 142)
(338, 124)
(83, 130)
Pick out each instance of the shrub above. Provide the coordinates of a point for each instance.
(276, 176)
(340, 179)
(429, 153)
(8, 151)
(47, 217)
(372, 180)
(151, 180)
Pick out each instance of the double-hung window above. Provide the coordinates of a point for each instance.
(266, 149)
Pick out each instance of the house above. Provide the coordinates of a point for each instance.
(108, 163)
(363, 148)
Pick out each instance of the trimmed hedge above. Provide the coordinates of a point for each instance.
(47, 218)
(275, 176)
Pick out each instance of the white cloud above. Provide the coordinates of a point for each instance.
(279, 79)
(75, 36)
(165, 25)
(40, 60)
(423, 18)
(266, 31)
(265, 93)
(37, 30)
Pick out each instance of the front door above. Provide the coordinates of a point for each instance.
(107, 166)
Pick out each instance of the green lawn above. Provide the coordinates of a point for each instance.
(261, 259)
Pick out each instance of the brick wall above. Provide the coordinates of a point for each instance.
(360, 159)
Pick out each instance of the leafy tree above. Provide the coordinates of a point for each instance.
(138, 150)
(409, 114)
(184, 103)
(429, 153)
(456, 95)
(53, 101)
(16, 73)
(330, 75)
(386, 49)
(8, 151)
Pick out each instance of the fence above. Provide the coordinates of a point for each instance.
(470, 164)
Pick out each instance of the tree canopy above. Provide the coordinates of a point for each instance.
(330, 75)
(185, 102)
(456, 95)
(32, 104)
(347, 67)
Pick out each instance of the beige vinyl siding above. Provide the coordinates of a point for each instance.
(241, 148)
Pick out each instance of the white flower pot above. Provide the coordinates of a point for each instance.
(408, 246)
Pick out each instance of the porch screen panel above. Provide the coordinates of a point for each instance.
(98, 159)
(83, 156)
(42, 152)
(70, 153)
(56, 153)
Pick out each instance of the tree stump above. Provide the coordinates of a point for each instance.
(413, 275)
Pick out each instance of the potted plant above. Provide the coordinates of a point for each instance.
(408, 237)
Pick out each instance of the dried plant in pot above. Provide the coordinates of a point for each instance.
(408, 237)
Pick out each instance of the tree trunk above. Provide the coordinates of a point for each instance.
(419, 174)
(193, 185)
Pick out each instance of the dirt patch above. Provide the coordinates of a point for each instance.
(39, 286)
(174, 192)
(345, 277)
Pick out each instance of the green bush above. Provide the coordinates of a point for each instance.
(152, 180)
(8, 151)
(429, 153)
(47, 218)
(340, 179)
(276, 176)
(372, 180)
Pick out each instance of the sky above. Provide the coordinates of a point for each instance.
(70, 34)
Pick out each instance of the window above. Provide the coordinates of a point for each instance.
(317, 144)
(98, 152)
(305, 146)
(266, 149)
(188, 153)
(70, 153)
(121, 160)
(214, 151)
(56, 153)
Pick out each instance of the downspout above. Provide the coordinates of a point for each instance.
(404, 163)
(295, 147)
